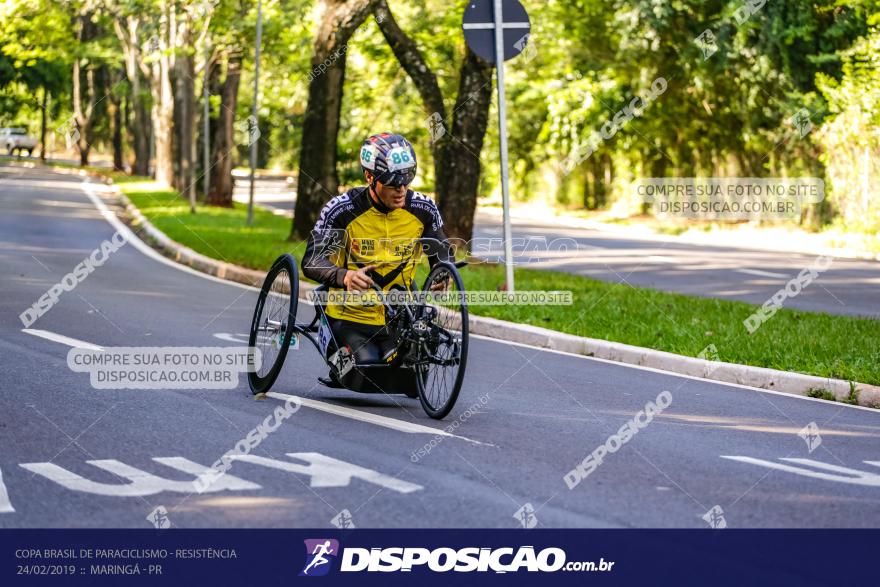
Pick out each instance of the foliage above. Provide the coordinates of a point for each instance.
(851, 137)
(727, 112)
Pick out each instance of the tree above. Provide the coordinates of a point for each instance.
(457, 138)
(223, 144)
(318, 179)
(160, 62)
(185, 100)
(35, 50)
(851, 136)
(84, 103)
(114, 111)
(128, 30)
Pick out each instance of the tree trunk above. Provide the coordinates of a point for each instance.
(185, 74)
(596, 182)
(207, 127)
(318, 180)
(456, 151)
(114, 115)
(127, 32)
(607, 180)
(142, 129)
(459, 165)
(224, 137)
(43, 108)
(80, 132)
(163, 99)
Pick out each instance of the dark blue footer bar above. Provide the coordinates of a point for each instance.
(384, 557)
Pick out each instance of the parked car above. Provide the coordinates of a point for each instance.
(17, 139)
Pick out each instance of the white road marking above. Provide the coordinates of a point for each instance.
(143, 247)
(54, 337)
(326, 471)
(5, 504)
(837, 473)
(393, 423)
(662, 259)
(238, 338)
(760, 273)
(142, 483)
(834, 405)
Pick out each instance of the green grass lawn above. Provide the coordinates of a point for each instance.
(817, 344)
(217, 232)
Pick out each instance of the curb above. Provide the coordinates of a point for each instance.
(185, 255)
(759, 377)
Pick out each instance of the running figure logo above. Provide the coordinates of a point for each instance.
(319, 553)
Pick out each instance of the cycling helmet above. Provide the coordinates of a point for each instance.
(390, 158)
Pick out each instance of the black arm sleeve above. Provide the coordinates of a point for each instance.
(435, 244)
(326, 239)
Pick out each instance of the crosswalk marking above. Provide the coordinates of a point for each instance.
(5, 504)
(818, 470)
(141, 483)
(329, 472)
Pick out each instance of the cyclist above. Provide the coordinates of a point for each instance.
(366, 236)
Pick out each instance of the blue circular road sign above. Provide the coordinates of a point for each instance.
(479, 28)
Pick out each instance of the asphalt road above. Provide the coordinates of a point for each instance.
(848, 286)
(525, 418)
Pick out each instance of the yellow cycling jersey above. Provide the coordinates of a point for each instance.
(354, 231)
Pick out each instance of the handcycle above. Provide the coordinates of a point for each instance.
(430, 333)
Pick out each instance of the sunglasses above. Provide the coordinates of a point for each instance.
(398, 180)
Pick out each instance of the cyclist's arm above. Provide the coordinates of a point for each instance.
(316, 264)
(435, 243)
(325, 240)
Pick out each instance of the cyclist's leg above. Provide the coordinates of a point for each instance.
(363, 340)
(360, 340)
(371, 345)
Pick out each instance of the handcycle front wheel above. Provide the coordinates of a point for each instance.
(273, 322)
(443, 356)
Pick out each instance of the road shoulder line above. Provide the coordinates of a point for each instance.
(369, 417)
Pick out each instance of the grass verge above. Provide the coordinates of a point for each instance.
(817, 344)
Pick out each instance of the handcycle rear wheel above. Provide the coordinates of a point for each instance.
(273, 322)
(443, 357)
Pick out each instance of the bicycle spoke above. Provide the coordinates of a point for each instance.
(271, 323)
(274, 322)
(441, 356)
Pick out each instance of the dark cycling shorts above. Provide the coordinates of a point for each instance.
(371, 345)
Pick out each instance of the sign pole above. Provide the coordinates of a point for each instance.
(250, 209)
(502, 141)
(206, 123)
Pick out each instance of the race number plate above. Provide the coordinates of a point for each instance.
(324, 336)
(399, 158)
(294, 341)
